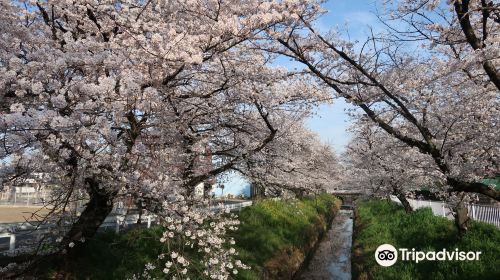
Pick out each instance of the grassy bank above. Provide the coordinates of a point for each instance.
(379, 222)
(274, 238)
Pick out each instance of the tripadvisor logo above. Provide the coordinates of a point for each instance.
(387, 255)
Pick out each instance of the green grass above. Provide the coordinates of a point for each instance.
(379, 222)
(266, 228)
(272, 226)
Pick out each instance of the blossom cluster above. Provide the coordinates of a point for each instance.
(196, 243)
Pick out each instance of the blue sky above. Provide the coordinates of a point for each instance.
(329, 121)
(354, 16)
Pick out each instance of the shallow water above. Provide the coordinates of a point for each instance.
(332, 259)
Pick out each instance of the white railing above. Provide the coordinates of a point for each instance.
(30, 231)
(484, 213)
(232, 206)
(114, 222)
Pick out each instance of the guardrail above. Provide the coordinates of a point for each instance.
(114, 222)
(484, 213)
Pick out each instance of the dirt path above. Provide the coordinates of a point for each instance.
(332, 260)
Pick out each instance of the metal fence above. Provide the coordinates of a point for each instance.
(484, 213)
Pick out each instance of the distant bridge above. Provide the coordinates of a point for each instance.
(348, 196)
(347, 192)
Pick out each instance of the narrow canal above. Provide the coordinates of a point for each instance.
(332, 259)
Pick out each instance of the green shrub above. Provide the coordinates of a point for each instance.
(117, 256)
(379, 222)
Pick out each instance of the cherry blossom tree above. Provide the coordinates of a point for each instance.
(296, 161)
(440, 99)
(381, 165)
(467, 31)
(126, 99)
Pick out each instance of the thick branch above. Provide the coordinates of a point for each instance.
(461, 186)
(462, 11)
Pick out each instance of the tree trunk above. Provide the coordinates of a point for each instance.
(141, 210)
(406, 204)
(402, 197)
(98, 208)
(462, 219)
